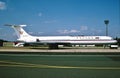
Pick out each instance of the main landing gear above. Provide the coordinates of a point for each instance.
(53, 46)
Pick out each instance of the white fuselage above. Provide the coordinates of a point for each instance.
(70, 39)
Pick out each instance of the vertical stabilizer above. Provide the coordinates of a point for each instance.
(19, 30)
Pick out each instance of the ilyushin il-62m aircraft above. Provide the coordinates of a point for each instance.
(54, 41)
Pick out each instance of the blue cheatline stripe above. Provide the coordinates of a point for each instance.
(80, 40)
(28, 65)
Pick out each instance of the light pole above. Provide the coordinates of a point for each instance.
(106, 22)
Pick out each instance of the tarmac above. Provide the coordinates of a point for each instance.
(99, 50)
(30, 65)
(59, 63)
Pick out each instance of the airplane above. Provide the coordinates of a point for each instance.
(54, 41)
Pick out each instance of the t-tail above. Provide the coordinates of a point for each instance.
(21, 33)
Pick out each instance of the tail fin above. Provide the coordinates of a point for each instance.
(19, 30)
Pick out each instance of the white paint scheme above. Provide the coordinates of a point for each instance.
(25, 37)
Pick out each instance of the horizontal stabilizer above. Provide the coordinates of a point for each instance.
(15, 25)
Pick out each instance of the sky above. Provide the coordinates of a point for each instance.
(60, 17)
